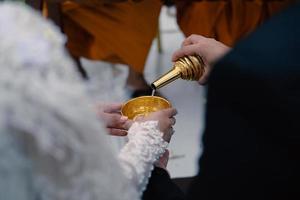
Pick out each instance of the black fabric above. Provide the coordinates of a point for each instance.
(168, 3)
(252, 136)
(146, 92)
(162, 187)
(141, 92)
(183, 183)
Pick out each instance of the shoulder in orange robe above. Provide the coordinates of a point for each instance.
(114, 32)
(225, 20)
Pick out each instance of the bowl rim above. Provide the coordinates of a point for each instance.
(133, 99)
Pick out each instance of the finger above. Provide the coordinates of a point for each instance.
(139, 117)
(172, 121)
(203, 80)
(114, 120)
(186, 51)
(113, 107)
(192, 39)
(117, 132)
(168, 135)
(170, 112)
(177, 54)
(127, 124)
(172, 131)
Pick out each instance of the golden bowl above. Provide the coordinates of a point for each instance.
(142, 106)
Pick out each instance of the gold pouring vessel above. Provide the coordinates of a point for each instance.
(142, 106)
(187, 68)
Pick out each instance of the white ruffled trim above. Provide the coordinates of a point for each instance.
(145, 146)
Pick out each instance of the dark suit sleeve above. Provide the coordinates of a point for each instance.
(251, 143)
(161, 187)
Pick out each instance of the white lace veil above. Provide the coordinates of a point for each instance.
(52, 146)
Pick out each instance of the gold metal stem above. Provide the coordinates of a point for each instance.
(167, 78)
(187, 68)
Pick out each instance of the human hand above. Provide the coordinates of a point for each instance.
(165, 120)
(163, 160)
(115, 123)
(209, 49)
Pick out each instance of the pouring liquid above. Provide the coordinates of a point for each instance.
(153, 92)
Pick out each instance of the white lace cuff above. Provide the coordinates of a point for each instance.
(144, 147)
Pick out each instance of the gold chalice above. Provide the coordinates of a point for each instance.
(142, 106)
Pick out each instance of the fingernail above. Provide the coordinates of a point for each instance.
(123, 118)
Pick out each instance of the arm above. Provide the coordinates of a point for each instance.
(161, 187)
(148, 140)
(144, 147)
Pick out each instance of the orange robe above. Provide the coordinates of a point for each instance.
(114, 32)
(225, 20)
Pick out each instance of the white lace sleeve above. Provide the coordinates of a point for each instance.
(144, 147)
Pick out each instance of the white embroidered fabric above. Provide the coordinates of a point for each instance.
(52, 145)
(144, 147)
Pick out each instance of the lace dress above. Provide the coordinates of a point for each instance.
(52, 145)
